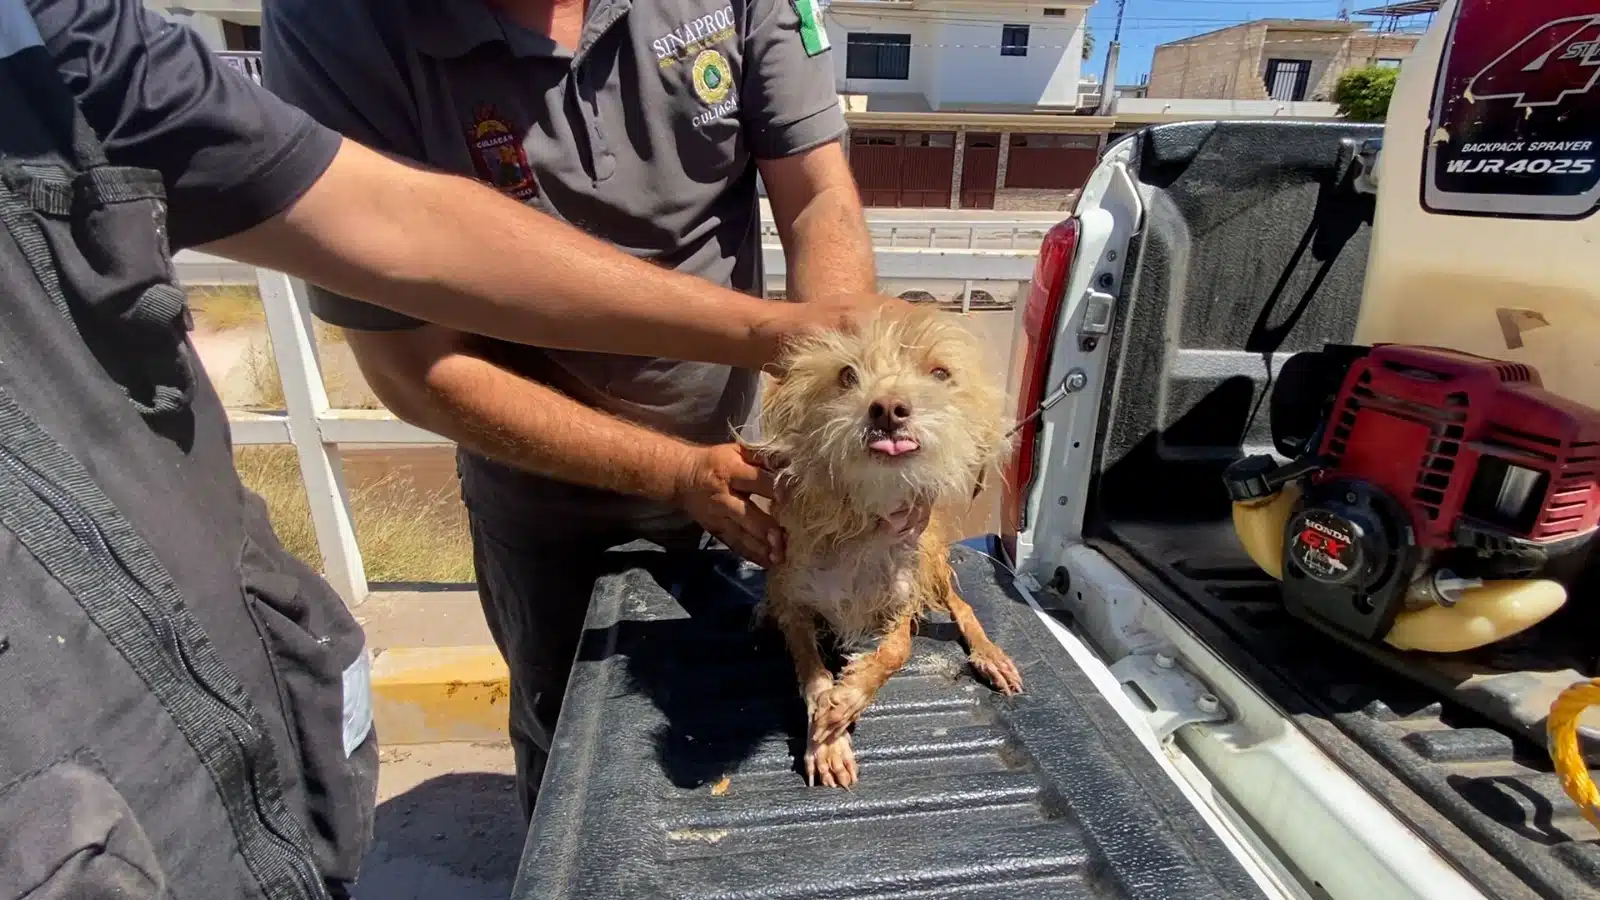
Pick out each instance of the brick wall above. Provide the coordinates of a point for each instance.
(1329, 55)
(1232, 64)
(1031, 200)
(1218, 66)
(955, 172)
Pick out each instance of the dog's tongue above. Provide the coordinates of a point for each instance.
(893, 446)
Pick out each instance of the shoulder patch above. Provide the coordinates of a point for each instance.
(812, 33)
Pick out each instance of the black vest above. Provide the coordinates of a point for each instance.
(171, 680)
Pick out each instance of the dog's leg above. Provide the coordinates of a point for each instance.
(830, 762)
(987, 659)
(850, 696)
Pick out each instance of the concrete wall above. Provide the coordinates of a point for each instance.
(209, 27)
(1200, 108)
(1218, 66)
(1232, 64)
(1032, 200)
(955, 57)
(971, 69)
(924, 57)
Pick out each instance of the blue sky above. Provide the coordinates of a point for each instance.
(1147, 23)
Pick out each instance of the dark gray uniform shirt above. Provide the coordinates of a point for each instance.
(644, 135)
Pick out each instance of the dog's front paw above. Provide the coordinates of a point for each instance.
(997, 668)
(837, 709)
(831, 763)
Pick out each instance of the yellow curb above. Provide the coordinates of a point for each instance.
(425, 695)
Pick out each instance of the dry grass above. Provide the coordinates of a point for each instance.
(327, 334)
(405, 534)
(223, 307)
(266, 383)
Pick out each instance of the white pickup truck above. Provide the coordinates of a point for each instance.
(1183, 735)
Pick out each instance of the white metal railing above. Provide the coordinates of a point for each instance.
(248, 62)
(316, 429)
(951, 233)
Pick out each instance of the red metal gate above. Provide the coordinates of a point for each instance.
(875, 162)
(911, 169)
(1051, 161)
(979, 167)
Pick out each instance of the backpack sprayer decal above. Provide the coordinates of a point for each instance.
(1516, 119)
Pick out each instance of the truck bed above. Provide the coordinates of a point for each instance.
(1253, 248)
(675, 769)
(1485, 795)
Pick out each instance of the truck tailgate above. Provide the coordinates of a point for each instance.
(674, 772)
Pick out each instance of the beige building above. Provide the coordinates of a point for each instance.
(1288, 60)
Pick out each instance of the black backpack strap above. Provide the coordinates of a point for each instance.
(17, 216)
(66, 521)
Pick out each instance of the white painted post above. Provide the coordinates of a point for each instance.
(294, 348)
(894, 234)
(966, 286)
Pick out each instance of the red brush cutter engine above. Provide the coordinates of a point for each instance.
(1421, 472)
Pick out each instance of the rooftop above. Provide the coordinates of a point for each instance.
(1401, 10)
(1333, 26)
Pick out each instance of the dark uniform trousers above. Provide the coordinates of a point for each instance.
(535, 591)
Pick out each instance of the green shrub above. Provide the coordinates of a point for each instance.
(1363, 94)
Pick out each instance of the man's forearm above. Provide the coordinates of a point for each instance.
(451, 251)
(829, 248)
(522, 423)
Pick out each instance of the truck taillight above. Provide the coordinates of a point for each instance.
(1035, 344)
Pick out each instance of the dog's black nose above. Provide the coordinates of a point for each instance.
(889, 413)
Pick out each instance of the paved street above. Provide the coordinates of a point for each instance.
(447, 825)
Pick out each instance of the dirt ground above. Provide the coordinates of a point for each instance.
(447, 825)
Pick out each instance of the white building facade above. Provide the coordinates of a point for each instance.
(959, 55)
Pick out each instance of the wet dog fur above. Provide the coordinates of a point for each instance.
(871, 428)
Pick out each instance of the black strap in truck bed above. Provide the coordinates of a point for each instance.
(674, 776)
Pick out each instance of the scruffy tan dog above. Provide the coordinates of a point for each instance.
(876, 433)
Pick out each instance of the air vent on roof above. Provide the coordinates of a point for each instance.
(1054, 13)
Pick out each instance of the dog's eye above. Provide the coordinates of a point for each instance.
(847, 377)
(940, 373)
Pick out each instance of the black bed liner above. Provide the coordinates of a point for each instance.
(964, 794)
(1487, 797)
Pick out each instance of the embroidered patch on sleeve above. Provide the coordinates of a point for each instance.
(812, 33)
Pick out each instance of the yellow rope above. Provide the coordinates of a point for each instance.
(1562, 727)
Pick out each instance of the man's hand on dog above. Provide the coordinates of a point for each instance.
(904, 524)
(845, 312)
(717, 487)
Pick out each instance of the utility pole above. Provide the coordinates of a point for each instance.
(1108, 81)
